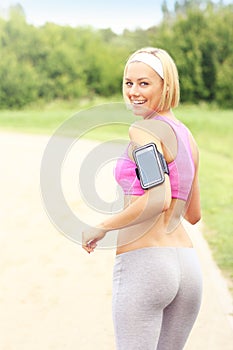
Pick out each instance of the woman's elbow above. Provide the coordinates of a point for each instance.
(159, 200)
(167, 196)
(193, 218)
(166, 203)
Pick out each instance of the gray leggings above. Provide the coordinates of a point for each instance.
(156, 297)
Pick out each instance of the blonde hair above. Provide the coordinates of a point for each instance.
(171, 88)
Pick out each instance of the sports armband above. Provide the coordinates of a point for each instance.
(151, 165)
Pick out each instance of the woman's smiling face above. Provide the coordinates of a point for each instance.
(142, 88)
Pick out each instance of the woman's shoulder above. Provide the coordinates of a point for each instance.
(143, 132)
(152, 127)
(153, 130)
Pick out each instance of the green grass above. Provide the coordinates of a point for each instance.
(212, 128)
(47, 118)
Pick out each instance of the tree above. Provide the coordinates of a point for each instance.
(55, 61)
(16, 13)
(18, 86)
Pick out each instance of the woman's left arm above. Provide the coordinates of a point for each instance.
(151, 204)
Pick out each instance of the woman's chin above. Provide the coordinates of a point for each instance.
(140, 110)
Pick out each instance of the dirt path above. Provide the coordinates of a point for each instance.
(53, 295)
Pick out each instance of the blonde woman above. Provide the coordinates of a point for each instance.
(157, 283)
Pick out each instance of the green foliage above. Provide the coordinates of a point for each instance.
(197, 34)
(224, 94)
(60, 62)
(19, 86)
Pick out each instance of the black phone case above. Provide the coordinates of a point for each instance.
(158, 156)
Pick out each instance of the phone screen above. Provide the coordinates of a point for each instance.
(148, 166)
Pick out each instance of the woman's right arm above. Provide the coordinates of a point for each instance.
(193, 209)
(193, 206)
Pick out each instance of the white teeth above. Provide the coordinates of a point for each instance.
(138, 102)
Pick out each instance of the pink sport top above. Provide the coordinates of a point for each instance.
(181, 169)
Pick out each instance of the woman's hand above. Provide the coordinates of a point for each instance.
(91, 237)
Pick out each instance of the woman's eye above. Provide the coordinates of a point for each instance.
(130, 84)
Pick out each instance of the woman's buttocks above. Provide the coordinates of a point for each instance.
(159, 269)
(149, 269)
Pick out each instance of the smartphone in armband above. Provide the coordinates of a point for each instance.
(151, 165)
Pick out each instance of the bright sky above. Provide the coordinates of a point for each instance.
(117, 14)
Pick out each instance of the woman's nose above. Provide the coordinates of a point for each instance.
(134, 91)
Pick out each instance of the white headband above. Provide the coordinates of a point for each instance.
(149, 59)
